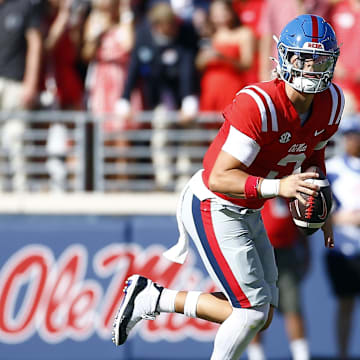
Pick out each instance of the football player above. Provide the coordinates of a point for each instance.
(271, 130)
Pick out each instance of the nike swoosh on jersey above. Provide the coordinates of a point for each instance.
(316, 133)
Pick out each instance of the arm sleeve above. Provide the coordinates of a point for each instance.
(34, 16)
(241, 146)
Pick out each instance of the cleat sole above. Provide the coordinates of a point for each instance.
(127, 307)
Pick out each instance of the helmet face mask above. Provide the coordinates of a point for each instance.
(308, 52)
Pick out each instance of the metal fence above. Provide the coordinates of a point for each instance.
(66, 151)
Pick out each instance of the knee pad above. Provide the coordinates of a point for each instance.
(236, 332)
(255, 317)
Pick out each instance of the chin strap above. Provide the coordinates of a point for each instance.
(275, 73)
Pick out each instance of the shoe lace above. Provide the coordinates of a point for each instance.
(150, 316)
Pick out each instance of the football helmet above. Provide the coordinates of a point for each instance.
(307, 53)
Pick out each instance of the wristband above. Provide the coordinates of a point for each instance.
(269, 188)
(251, 185)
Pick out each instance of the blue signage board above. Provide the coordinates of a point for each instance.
(61, 281)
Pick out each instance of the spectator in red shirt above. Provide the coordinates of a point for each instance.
(249, 13)
(225, 58)
(62, 84)
(61, 44)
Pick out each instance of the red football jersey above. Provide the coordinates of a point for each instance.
(263, 130)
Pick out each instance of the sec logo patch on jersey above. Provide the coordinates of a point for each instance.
(310, 218)
(285, 137)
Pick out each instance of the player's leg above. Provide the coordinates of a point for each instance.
(241, 323)
(238, 325)
(269, 318)
(213, 307)
(255, 349)
(223, 237)
(145, 299)
(266, 255)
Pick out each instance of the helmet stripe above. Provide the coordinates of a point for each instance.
(315, 29)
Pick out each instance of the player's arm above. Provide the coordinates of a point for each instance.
(229, 176)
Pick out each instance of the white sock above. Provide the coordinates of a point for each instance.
(255, 351)
(300, 349)
(236, 332)
(167, 301)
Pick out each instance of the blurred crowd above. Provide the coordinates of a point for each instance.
(122, 56)
(115, 58)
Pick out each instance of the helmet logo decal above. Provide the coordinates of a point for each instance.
(313, 45)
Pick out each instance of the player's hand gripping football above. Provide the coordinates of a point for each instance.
(294, 185)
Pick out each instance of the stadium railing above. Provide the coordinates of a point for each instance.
(70, 151)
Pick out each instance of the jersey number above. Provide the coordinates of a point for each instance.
(298, 159)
